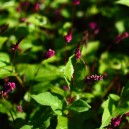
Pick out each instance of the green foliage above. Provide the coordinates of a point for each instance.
(79, 106)
(48, 99)
(123, 2)
(53, 92)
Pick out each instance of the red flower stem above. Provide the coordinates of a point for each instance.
(13, 60)
(65, 52)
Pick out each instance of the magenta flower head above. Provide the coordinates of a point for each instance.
(36, 7)
(93, 78)
(16, 46)
(78, 54)
(68, 37)
(114, 122)
(66, 88)
(8, 87)
(94, 27)
(19, 108)
(121, 37)
(76, 2)
(50, 53)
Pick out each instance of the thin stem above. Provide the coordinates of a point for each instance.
(65, 53)
(13, 60)
(8, 108)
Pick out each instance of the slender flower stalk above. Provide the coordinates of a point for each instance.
(14, 48)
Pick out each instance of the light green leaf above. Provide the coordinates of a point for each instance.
(69, 70)
(48, 99)
(62, 122)
(123, 2)
(79, 106)
(27, 127)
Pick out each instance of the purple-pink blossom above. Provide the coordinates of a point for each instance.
(121, 37)
(68, 37)
(50, 53)
(19, 108)
(94, 27)
(78, 54)
(8, 87)
(76, 2)
(36, 7)
(66, 88)
(93, 78)
(16, 46)
(114, 122)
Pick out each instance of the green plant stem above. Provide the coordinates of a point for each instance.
(13, 60)
(8, 108)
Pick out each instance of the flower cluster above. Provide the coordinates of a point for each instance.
(93, 78)
(76, 2)
(94, 27)
(50, 53)
(121, 37)
(115, 122)
(68, 37)
(8, 87)
(27, 5)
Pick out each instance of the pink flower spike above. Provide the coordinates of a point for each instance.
(68, 37)
(121, 37)
(36, 7)
(76, 2)
(93, 78)
(8, 87)
(78, 54)
(19, 108)
(50, 53)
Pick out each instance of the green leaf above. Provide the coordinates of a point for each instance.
(123, 2)
(2, 40)
(4, 59)
(27, 127)
(79, 106)
(48, 99)
(69, 70)
(62, 122)
(79, 74)
(109, 107)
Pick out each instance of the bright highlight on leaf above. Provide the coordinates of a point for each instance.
(123, 2)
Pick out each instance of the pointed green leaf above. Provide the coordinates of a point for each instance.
(80, 74)
(69, 70)
(79, 106)
(123, 2)
(62, 122)
(48, 99)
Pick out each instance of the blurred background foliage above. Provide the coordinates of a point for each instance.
(44, 28)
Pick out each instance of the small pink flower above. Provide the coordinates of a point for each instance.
(36, 7)
(114, 122)
(19, 108)
(23, 19)
(121, 37)
(16, 46)
(94, 27)
(68, 37)
(66, 88)
(76, 2)
(8, 87)
(78, 54)
(50, 53)
(93, 78)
